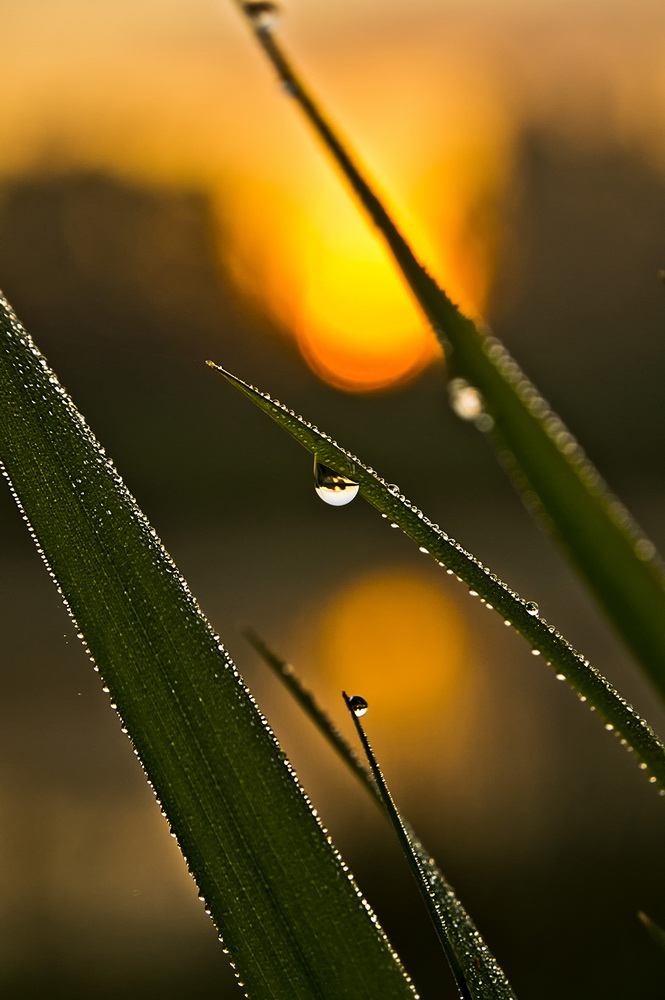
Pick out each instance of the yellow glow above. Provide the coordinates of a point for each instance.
(321, 268)
(313, 260)
(358, 328)
(433, 106)
(394, 637)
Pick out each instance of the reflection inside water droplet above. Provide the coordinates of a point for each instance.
(358, 705)
(264, 15)
(332, 487)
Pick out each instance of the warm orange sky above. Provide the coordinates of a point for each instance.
(431, 95)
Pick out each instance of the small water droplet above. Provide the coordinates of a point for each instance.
(262, 14)
(332, 487)
(358, 705)
(535, 652)
(532, 608)
(645, 550)
(465, 400)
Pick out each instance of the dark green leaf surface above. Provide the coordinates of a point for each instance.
(523, 616)
(291, 918)
(608, 550)
(468, 955)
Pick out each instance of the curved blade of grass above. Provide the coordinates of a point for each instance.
(284, 671)
(523, 616)
(545, 462)
(293, 922)
(468, 954)
(655, 932)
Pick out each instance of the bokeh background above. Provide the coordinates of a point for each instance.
(161, 203)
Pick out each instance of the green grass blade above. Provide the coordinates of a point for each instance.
(468, 954)
(420, 875)
(523, 616)
(604, 544)
(294, 923)
(284, 671)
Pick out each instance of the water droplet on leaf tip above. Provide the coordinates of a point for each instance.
(358, 705)
(333, 488)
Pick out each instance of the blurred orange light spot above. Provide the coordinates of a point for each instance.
(394, 637)
(358, 328)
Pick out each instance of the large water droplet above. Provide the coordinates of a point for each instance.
(332, 487)
(358, 705)
(532, 608)
(262, 14)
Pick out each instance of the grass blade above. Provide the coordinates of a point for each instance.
(469, 956)
(607, 548)
(294, 923)
(310, 706)
(357, 707)
(522, 615)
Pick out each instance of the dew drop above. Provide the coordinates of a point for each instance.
(358, 705)
(532, 608)
(465, 400)
(332, 487)
(262, 14)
